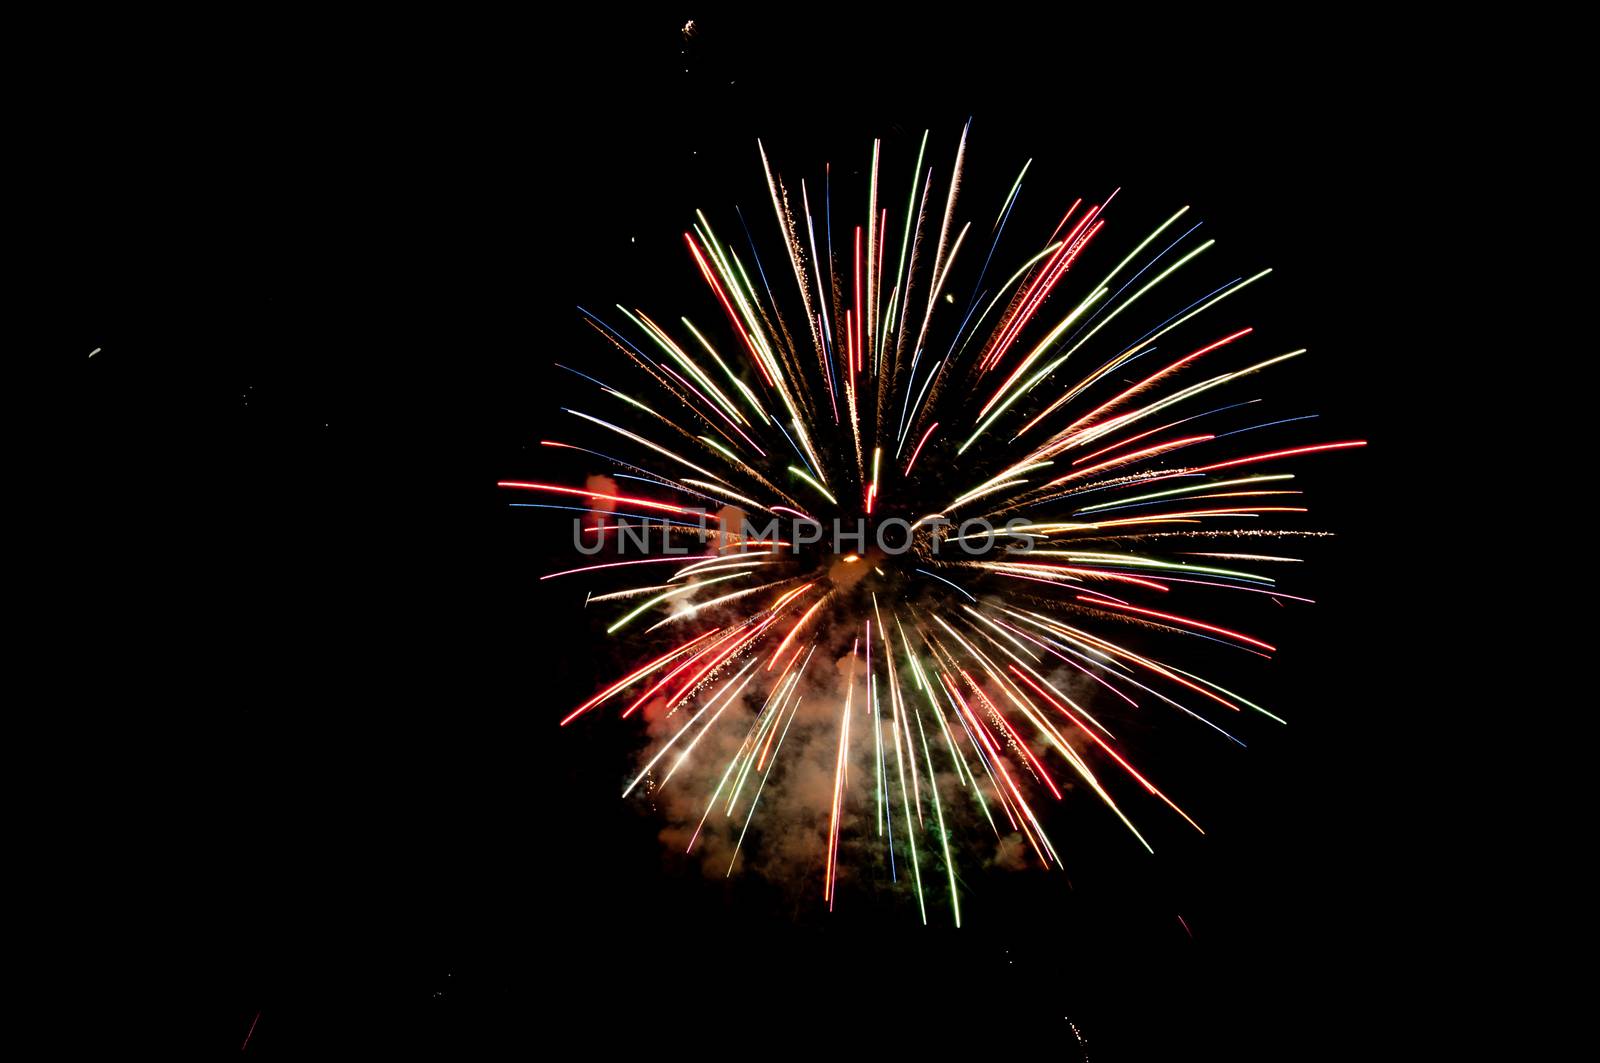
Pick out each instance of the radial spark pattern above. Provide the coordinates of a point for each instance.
(1103, 423)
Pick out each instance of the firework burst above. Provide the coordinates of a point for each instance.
(1027, 472)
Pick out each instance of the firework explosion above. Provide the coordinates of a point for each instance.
(918, 672)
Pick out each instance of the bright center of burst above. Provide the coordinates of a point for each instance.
(847, 570)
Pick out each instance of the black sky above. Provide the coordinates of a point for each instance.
(327, 268)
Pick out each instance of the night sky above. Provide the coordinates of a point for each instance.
(326, 269)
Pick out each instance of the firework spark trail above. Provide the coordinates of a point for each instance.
(759, 790)
(733, 764)
(994, 653)
(726, 699)
(839, 782)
